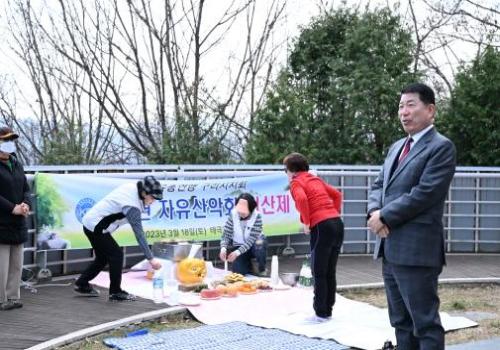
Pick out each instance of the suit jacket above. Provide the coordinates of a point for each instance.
(412, 201)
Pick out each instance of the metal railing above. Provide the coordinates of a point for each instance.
(471, 217)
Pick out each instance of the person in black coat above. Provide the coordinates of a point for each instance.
(14, 208)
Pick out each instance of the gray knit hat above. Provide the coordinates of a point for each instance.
(152, 187)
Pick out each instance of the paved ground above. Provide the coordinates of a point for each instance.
(490, 344)
(54, 311)
(353, 270)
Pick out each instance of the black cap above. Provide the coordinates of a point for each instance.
(152, 187)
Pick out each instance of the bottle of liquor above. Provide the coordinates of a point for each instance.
(305, 275)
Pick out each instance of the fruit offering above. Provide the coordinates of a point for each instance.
(210, 294)
(234, 277)
(227, 291)
(247, 288)
(260, 284)
(191, 270)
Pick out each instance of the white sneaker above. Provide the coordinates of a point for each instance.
(316, 319)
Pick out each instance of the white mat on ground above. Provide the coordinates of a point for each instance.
(353, 323)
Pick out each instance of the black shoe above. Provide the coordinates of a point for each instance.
(11, 305)
(86, 291)
(17, 303)
(388, 345)
(263, 273)
(122, 296)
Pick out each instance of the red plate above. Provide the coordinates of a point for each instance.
(229, 295)
(248, 293)
(213, 298)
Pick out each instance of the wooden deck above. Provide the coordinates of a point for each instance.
(54, 310)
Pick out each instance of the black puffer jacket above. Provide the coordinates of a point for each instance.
(14, 190)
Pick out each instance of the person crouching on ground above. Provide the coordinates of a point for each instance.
(242, 238)
(319, 207)
(122, 205)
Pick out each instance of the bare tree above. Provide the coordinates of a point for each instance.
(146, 73)
(56, 128)
(446, 30)
(65, 125)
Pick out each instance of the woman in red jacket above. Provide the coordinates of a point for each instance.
(319, 206)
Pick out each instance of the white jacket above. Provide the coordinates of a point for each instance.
(123, 196)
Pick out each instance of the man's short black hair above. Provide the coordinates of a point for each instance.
(425, 93)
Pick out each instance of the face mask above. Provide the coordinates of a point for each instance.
(8, 147)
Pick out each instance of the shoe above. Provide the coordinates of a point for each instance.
(86, 291)
(316, 319)
(10, 305)
(122, 296)
(388, 345)
(262, 273)
(17, 303)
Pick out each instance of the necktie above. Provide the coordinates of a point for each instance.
(406, 150)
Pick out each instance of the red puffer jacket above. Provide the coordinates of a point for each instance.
(314, 199)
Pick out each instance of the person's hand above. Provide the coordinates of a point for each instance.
(374, 223)
(232, 257)
(26, 208)
(384, 232)
(223, 255)
(18, 210)
(155, 264)
(307, 229)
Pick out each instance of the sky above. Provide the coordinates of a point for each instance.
(298, 13)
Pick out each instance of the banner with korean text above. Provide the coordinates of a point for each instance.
(194, 210)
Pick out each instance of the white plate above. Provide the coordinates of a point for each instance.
(211, 298)
(281, 287)
(190, 301)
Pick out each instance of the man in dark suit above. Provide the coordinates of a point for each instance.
(405, 210)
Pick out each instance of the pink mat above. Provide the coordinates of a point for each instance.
(254, 308)
(251, 309)
(134, 282)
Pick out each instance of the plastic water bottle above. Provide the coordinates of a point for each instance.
(173, 291)
(275, 279)
(158, 287)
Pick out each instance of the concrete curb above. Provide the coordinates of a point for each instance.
(441, 281)
(147, 316)
(87, 332)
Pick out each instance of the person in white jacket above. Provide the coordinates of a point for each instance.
(242, 238)
(121, 206)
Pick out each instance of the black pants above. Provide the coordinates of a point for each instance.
(243, 263)
(107, 251)
(326, 240)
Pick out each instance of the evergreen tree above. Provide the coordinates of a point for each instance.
(337, 101)
(472, 120)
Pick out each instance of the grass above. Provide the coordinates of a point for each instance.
(455, 300)
(170, 322)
